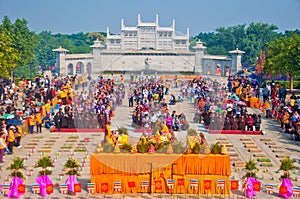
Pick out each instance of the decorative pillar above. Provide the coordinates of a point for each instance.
(61, 61)
(199, 53)
(236, 64)
(97, 52)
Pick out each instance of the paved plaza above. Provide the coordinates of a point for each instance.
(275, 144)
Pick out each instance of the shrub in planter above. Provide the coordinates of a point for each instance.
(178, 147)
(216, 148)
(108, 147)
(125, 147)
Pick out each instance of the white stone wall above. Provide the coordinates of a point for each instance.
(169, 63)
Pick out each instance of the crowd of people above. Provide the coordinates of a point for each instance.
(152, 110)
(217, 107)
(81, 102)
(34, 103)
(224, 107)
(91, 109)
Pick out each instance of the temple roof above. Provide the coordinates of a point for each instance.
(236, 51)
(60, 49)
(97, 44)
(199, 45)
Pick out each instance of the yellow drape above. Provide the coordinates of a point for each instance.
(113, 167)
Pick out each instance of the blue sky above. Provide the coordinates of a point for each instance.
(72, 16)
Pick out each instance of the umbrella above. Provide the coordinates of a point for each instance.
(241, 103)
(234, 96)
(253, 76)
(14, 122)
(8, 116)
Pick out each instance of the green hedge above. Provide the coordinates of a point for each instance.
(296, 83)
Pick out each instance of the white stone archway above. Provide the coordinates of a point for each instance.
(70, 69)
(79, 68)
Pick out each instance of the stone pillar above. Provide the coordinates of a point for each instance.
(236, 64)
(199, 53)
(97, 53)
(61, 60)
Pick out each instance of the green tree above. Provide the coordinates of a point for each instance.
(43, 51)
(258, 35)
(19, 47)
(252, 39)
(24, 42)
(8, 55)
(283, 56)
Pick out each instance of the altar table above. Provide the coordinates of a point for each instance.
(107, 168)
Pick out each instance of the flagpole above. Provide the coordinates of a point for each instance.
(150, 181)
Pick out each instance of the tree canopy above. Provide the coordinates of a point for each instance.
(251, 39)
(17, 45)
(283, 56)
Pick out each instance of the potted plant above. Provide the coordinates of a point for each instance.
(142, 145)
(251, 184)
(178, 147)
(196, 149)
(72, 167)
(46, 185)
(125, 148)
(108, 147)
(251, 169)
(17, 186)
(287, 165)
(216, 148)
(123, 135)
(122, 130)
(192, 132)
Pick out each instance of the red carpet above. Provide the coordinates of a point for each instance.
(235, 132)
(73, 130)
